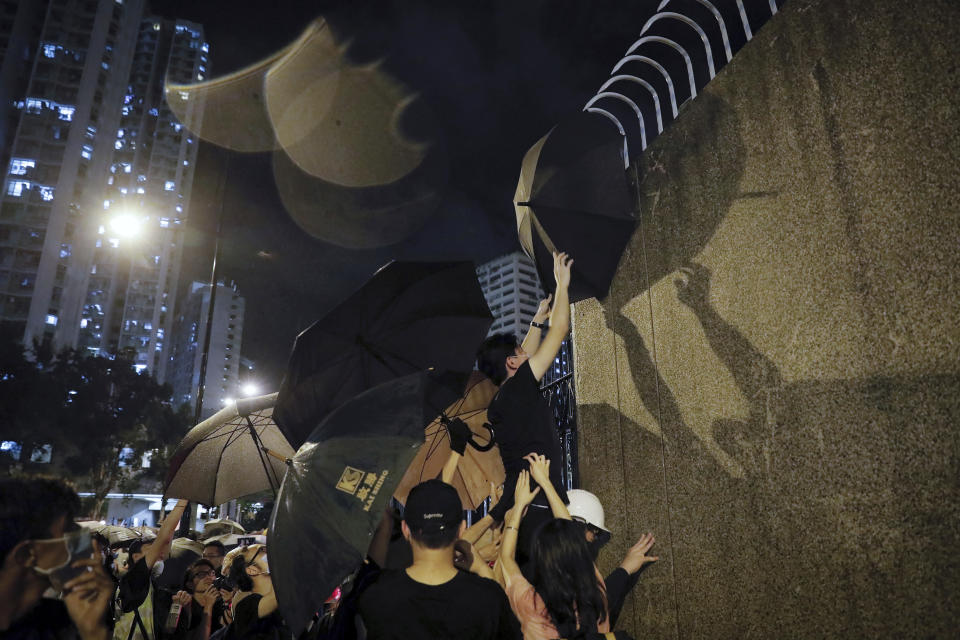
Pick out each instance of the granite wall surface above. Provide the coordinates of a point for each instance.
(772, 385)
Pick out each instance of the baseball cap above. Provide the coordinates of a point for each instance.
(432, 506)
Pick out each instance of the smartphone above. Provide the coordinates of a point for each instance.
(79, 547)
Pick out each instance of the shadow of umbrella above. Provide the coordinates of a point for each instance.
(410, 316)
(235, 452)
(573, 196)
(339, 482)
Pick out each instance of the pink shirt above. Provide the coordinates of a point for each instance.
(532, 613)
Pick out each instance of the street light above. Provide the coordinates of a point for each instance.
(126, 225)
(249, 389)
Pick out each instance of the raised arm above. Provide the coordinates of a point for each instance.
(559, 318)
(522, 498)
(531, 343)
(165, 535)
(540, 471)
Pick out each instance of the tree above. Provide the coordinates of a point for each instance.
(109, 426)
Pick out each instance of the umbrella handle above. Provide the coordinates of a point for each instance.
(490, 443)
(278, 456)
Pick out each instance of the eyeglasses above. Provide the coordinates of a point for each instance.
(211, 556)
(204, 574)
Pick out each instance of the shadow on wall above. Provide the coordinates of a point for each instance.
(846, 483)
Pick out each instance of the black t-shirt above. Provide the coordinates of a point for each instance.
(398, 607)
(523, 423)
(247, 625)
(48, 620)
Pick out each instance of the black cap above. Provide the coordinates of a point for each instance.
(433, 506)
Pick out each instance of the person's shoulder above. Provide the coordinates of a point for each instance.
(481, 585)
(386, 584)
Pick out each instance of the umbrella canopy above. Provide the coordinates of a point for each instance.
(477, 469)
(230, 540)
(339, 482)
(573, 196)
(220, 526)
(410, 316)
(237, 451)
(117, 535)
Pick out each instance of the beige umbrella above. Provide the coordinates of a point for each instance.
(477, 469)
(236, 452)
(221, 526)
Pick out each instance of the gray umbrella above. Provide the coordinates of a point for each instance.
(236, 452)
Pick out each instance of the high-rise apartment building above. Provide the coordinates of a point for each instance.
(222, 380)
(512, 290)
(133, 280)
(99, 173)
(62, 80)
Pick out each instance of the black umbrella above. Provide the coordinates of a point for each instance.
(573, 196)
(410, 316)
(339, 482)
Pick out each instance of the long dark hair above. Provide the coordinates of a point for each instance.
(238, 572)
(565, 578)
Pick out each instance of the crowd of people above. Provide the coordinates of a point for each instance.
(426, 574)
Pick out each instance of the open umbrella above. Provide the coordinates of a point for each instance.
(117, 535)
(573, 196)
(339, 482)
(219, 526)
(231, 540)
(235, 452)
(410, 316)
(477, 469)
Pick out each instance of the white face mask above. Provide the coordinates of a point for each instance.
(78, 546)
(157, 568)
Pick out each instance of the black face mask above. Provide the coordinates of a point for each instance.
(600, 539)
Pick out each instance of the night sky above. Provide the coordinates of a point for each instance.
(498, 76)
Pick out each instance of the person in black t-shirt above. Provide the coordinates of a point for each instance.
(522, 420)
(432, 599)
(255, 610)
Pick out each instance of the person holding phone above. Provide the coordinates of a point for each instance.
(42, 548)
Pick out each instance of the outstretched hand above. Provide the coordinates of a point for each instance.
(539, 468)
(561, 269)
(522, 495)
(543, 311)
(637, 556)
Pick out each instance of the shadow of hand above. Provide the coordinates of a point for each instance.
(693, 287)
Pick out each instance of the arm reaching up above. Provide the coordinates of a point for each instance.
(559, 318)
(540, 471)
(531, 343)
(155, 551)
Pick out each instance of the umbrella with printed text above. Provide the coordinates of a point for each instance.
(573, 195)
(409, 317)
(339, 482)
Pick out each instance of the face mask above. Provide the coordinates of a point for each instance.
(79, 546)
(157, 569)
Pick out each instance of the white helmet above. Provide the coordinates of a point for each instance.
(586, 506)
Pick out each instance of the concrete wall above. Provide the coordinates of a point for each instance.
(772, 385)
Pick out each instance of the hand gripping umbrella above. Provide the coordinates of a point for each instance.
(410, 316)
(235, 452)
(339, 482)
(573, 196)
(477, 469)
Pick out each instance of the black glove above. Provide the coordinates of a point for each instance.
(459, 435)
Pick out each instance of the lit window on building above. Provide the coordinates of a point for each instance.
(51, 319)
(17, 187)
(118, 144)
(169, 185)
(86, 151)
(83, 323)
(50, 50)
(19, 166)
(35, 105)
(46, 193)
(106, 204)
(66, 112)
(154, 112)
(65, 250)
